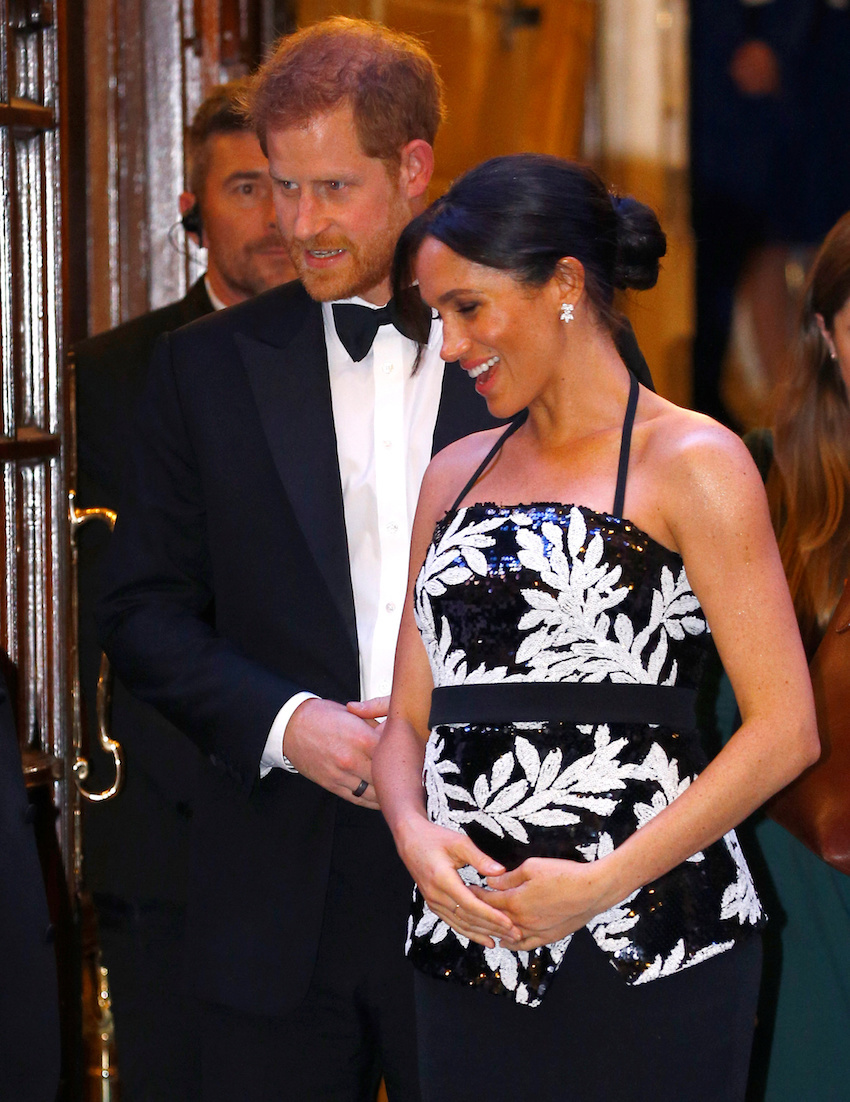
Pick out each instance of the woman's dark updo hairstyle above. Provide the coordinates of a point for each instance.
(523, 213)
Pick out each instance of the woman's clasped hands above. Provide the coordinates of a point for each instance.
(434, 855)
(548, 898)
(539, 902)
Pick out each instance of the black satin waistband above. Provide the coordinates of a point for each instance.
(583, 702)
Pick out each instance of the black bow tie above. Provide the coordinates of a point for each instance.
(356, 326)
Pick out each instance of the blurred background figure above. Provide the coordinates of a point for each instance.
(228, 208)
(29, 1011)
(770, 172)
(808, 480)
(136, 846)
(801, 1047)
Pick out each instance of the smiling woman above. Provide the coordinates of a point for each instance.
(573, 850)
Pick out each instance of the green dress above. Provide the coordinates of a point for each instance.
(802, 1046)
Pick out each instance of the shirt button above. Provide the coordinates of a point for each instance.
(388, 443)
(392, 527)
(390, 606)
(388, 369)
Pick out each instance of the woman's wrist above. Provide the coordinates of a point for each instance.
(614, 881)
(406, 826)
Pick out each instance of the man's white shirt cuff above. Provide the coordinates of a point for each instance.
(273, 755)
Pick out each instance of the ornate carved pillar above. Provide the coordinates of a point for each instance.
(34, 508)
(149, 64)
(34, 591)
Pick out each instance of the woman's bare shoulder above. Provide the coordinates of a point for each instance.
(447, 474)
(468, 448)
(452, 467)
(690, 444)
(705, 470)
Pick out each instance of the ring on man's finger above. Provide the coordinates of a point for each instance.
(360, 789)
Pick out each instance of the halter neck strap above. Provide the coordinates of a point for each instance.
(482, 466)
(625, 446)
(622, 466)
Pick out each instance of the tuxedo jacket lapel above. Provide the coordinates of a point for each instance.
(291, 388)
(292, 392)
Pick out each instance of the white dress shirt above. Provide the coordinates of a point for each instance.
(217, 304)
(384, 417)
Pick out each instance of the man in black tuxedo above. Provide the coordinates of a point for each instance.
(258, 572)
(228, 210)
(29, 1009)
(137, 845)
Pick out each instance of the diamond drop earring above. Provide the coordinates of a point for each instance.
(567, 312)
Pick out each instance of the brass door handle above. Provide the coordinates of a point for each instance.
(81, 768)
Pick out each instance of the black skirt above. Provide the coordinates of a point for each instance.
(594, 1038)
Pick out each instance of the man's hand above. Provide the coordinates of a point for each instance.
(333, 747)
(374, 708)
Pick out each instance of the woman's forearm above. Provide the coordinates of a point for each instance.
(397, 774)
(757, 762)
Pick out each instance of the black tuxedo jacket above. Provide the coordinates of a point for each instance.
(136, 846)
(228, 590)
(111, 372)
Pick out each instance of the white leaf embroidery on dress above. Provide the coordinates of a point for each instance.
(572, 629)
(569, 631)
(676, 960)
(541, 795)
(740, 899)
(664, 772)
(610, 927)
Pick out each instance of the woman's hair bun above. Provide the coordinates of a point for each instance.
(640, 244)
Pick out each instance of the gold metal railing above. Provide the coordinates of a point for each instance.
(81, 767)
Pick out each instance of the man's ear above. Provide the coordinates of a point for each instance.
(416, 168)
(190, 216)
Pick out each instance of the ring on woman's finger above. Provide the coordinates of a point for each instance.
(457, 907)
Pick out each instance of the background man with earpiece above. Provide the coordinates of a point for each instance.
(137, 845)
(228, 208)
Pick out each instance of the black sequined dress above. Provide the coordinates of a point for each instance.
(567, 648)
